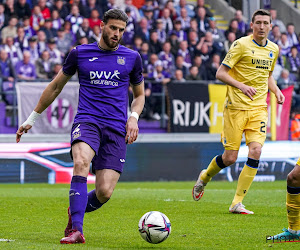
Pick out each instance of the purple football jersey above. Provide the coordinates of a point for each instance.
(104, 78)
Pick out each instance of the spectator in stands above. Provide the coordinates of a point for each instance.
(29, 31)
(96, 34)
(180, 33)
(230, 39)
(275, 34)
(44, 66)
(213, 66)
(201, 67)
(142, 30)
(145, 55)
(69, 33)
(57, 21)
(134, 12)
(22, 9)
(213, 47)
(137, 43)
(173, 39)
(149, 15)
(10, 29)
(166, 20)
(162, 36)
(14, 52)
(178, 76)
(180, 64)
(56, 68)
(21, 40)
(55, 54)
(202, 20)
(151, 65)
(194, 26)
(94, 19)
(128, 36)
(33, 49)
(167, 58)
(217, 34)
(189, 8)
(44, 9)
(242, 25)
(154, 45)
(185, 53)
(284, 44)
(37, 19)
(25, 70)
(205, 54)
(161, 78)
(193, 41)
(74, 18)
(81, 6)
(63, 42)
(50, 32)
(285, 80)
(233, 27)
(276, 21)
(292, 36)
(84, 29)
(3, 17)
(82, 40)
(8, 76)
(185, 19)
(92, 5)
(282, 59)
(193, 74)
(295, 126)
(41, 41)
(61, 7)
(10, 8)
(294, 62)
(110, 5)
(201, 4)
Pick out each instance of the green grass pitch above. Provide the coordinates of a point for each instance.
(33, 216)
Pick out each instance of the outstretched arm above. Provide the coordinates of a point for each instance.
(222, 75)
(137, 106)
(274, 88)
(48, 96)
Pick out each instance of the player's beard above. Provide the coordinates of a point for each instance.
(108, 42)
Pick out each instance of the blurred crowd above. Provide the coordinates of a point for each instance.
(177, 41)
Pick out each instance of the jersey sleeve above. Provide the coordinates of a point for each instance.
(70, 64)
(233, 55)
(136, 76)
(275, 59)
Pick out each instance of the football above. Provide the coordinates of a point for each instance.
(154, 227)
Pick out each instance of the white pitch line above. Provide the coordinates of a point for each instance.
(6, 240)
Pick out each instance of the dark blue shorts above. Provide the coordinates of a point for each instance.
(109, 145)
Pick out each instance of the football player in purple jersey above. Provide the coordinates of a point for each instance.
(101, 128)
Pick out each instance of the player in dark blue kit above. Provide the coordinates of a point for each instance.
(101, 128)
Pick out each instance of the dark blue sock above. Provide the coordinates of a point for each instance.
(93, 202)
(78, 201)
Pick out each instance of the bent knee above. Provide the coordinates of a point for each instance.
(293, 180)
(229, 160)
(255, 152)
(104, 194)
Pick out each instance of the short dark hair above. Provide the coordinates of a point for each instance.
(115, 14)
(261, 12)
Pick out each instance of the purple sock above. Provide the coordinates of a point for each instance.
(93, 202)
(78, 201)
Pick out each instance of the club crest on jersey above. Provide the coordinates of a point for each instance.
(121, 60)
(271, 54)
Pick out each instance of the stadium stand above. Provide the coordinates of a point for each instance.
(171, 36)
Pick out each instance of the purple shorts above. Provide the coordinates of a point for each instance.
(109, 145)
